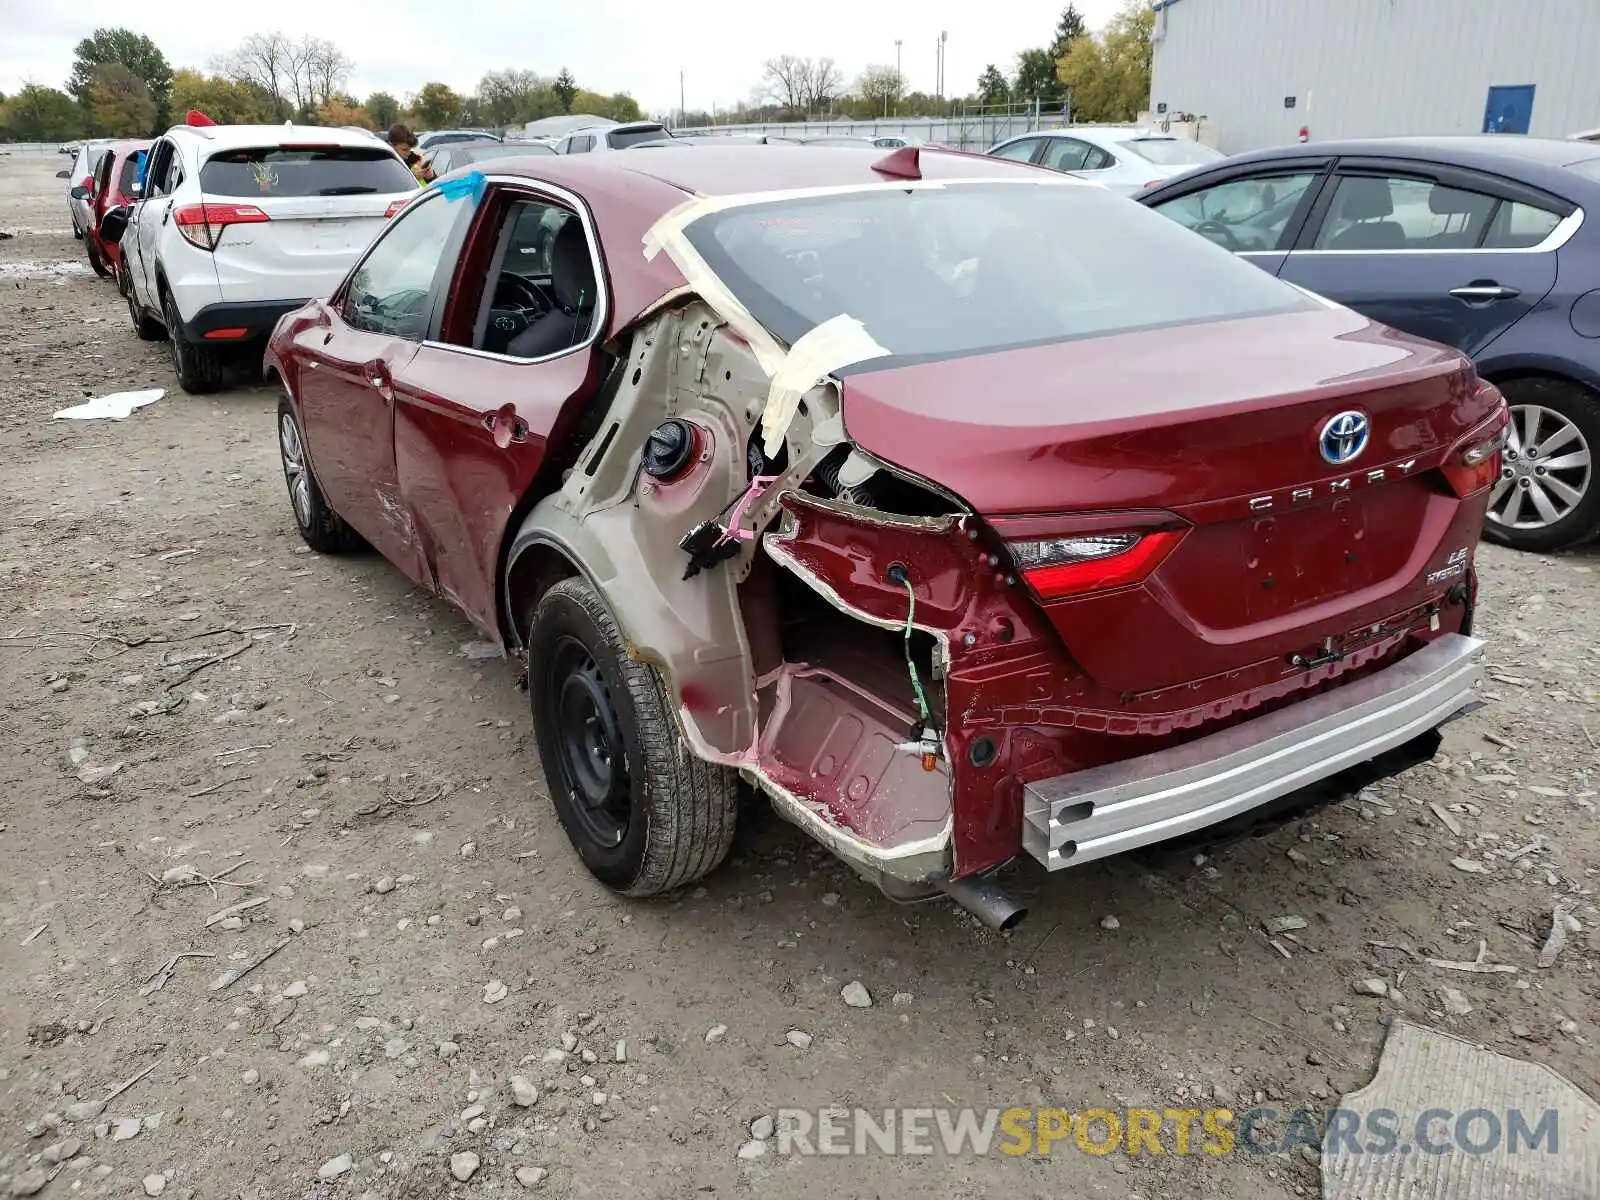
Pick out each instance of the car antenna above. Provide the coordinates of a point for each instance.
(904, 163)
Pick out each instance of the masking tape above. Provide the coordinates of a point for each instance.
(837, 342)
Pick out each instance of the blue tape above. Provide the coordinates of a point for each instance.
(469, 186)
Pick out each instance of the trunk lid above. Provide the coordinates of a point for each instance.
(1218, 425)
(324, 205)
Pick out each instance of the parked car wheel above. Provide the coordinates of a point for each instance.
(96, 259)
(198, 368)
(148, 329)
(320, 527)
(1548, 496)
(644, 813)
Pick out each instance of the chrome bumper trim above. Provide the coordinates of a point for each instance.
(1077, 818)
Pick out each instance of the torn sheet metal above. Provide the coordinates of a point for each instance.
(1488, 1097)
(115, 407)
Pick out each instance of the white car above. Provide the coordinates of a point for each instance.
(80, 183)
(594, 138)
(236, 225)
(1125, 159)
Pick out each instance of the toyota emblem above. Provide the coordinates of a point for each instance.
(1344, 437)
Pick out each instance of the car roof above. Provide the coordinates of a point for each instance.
(233, 137)
(1490, 152)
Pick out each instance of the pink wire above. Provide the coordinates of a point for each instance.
(758, 485)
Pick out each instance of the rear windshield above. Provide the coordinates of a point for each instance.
(503, 150)
(937, 272)
(1172, 152)
(305, 171)
(629, 137)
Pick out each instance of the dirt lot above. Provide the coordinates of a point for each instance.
(182, 685)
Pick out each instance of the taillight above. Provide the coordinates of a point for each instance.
(1476, 467)
(1474, 462)
(202, 224)
(394, 207)
(1056, 568)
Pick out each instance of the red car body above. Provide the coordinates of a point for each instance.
(113, 188)
(1261, 588)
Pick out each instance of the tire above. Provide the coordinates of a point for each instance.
(1564, 420)
(320, 527)
(148, 329)
(96, 259)
(668, 817)
(198, 368)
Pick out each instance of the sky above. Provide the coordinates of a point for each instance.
(609, 45)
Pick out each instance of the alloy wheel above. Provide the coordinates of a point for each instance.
(1547, 469)
(294, 469)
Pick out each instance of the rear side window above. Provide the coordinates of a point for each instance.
(1373, 212)
(128, 175)
(632, 137)
(580, 145)
(1520, 227)
(305, 171)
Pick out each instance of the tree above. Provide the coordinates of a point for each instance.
(1109, 75)
(881, 87)
(263, 61)
(131, 50)
(821, 83)
(41, 114)
(223, 100)
(383, 108)
(784, 81)
(436, 106)
(992, 86)
(515, 97)
(619, 106)
(327, 69)
(299, 76)
(566, 89)
(1069, 29)
(119, 102)
(342, 110)
(1037, 79)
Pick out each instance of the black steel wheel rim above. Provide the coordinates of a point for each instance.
(174, 337)
(591, 754)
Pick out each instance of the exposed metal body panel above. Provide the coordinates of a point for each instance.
(1372, 68)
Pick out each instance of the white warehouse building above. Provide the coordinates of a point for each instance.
(1260, 71)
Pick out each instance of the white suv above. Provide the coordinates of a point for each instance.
(594, 138)
(236, 225)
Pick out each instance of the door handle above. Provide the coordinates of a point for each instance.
(166, 212)
(378, 380)
(506, 426)
(1483, 293)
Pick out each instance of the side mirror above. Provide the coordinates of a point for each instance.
(79, 192)
(63, 174)
(114, 224)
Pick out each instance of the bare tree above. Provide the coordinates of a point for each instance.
(821, 83)
(881, 86)
(263, 60)
(328, 69)
(784, 80)
(299, 76)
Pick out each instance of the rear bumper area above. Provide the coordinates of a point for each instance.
(256, 318)
(1077, 818)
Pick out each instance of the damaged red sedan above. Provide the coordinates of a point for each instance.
(965, 511)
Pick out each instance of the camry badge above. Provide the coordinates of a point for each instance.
(1344, 437)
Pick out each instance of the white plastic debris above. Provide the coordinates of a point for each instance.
(115, 407)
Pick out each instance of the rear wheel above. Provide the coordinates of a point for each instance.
(148, 329)
(198, 368)
(644, 813)
(1548, 496)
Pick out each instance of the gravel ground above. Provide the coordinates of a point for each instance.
(197, 713)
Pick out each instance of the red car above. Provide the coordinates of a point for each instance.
(113, 188)
(965, 511)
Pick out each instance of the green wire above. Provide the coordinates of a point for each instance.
(911, 664)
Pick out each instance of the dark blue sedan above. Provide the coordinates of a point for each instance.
(1489, 244)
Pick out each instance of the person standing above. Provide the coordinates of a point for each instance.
(400, 137)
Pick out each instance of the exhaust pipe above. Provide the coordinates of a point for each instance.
(986, 900)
